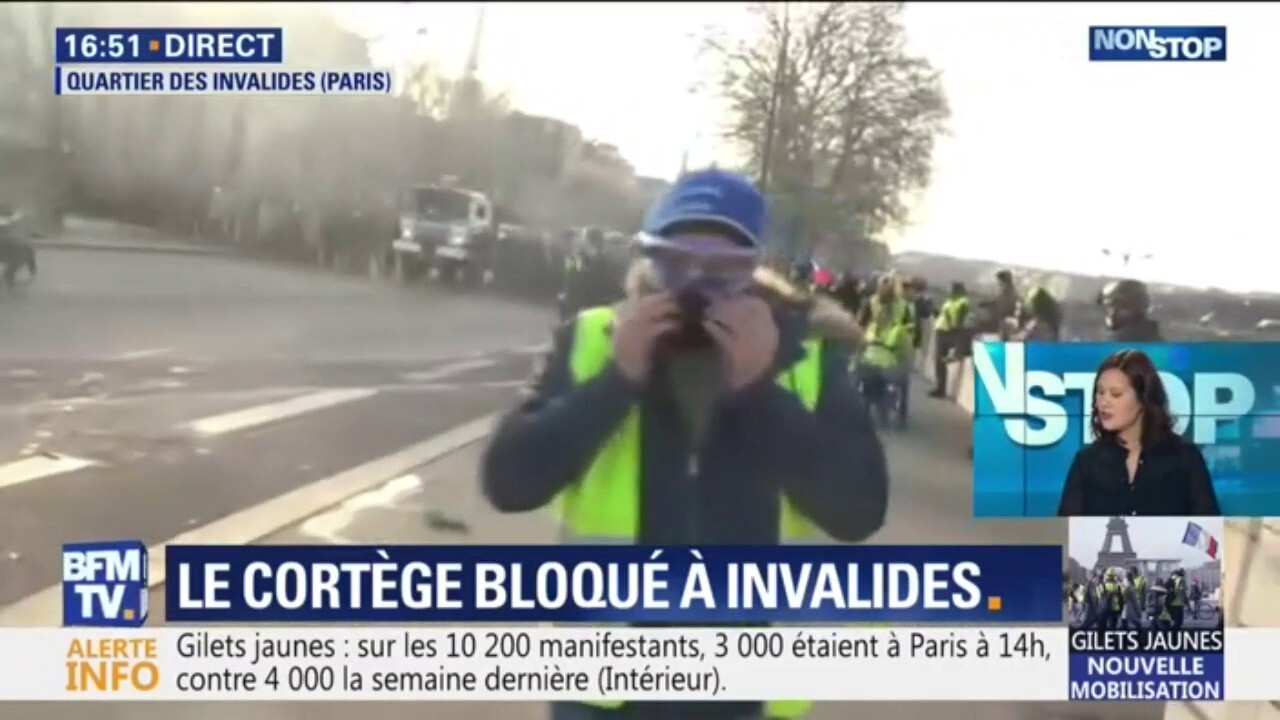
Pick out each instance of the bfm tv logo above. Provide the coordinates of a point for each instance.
(1218, 397)
(104, 584)
(1158, 43)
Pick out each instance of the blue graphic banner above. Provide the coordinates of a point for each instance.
(104, 584)
(1146, 677)
(613, 584)
(1158, 43)
(1033, 403)
(119, 46)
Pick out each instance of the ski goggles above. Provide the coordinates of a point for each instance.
(705, 261)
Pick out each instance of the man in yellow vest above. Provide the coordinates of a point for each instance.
(1092, 592)
(1110, 601)
(885, 364)
(587, 277)
(950, 335)
(1176, 597)
(700, 411)
(1135, 607)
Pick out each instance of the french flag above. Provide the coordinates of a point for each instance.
(1198, 537)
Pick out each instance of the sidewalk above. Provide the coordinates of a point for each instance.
(95, 234)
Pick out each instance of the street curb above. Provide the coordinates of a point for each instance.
(44, 607)
(165, 249)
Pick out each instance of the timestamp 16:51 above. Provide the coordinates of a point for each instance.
(116, 46)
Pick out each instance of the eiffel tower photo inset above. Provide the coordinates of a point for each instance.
(1154, 548)
(1108, 556)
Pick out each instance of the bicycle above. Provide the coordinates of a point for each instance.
(882, 387)
(1202, 610)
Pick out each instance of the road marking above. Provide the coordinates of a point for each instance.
(70, 404)
(328, 526)
(271, 412)
(44, 607)
(448, 370)
(142, 354)
(39, 466)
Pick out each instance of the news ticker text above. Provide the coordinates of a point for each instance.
(522, 663)
(518, 663)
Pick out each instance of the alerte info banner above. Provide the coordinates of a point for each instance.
(850, 611)
(620, 664)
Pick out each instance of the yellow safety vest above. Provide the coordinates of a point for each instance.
(603, 506)
(888, 332)
(1111, 593)
(1179, 595)
(949, 314)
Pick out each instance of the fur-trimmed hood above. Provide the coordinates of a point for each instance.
(824, 318)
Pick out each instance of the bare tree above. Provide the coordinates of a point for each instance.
(428, 91)
(436, 96)
(471, 123)
(847, 117)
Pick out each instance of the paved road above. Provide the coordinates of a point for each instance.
(110, 359)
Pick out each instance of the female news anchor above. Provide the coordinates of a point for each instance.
(1137, 464)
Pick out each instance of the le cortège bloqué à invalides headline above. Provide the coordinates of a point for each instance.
(557, 625)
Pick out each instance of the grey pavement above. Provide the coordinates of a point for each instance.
(94, 234)
(107, 358)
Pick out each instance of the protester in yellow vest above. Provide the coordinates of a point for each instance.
(1111, 601)
(700, 411)
(588, 279)
(1176, 597)
(885, 362)
(1135, 607)
(949, 335)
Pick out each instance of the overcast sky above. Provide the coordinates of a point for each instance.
(1154, 538)
(1048, 151)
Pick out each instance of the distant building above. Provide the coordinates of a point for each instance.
(602, 165)
(546, 146)
(651, 188)
(32, 158)
(170, 152)
(1209, 575)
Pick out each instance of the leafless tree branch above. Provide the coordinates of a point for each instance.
(858, 117)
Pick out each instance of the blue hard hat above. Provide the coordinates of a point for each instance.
(715, 197)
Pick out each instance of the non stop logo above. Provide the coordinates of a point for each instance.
(1022, 394)
(1158, 43)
